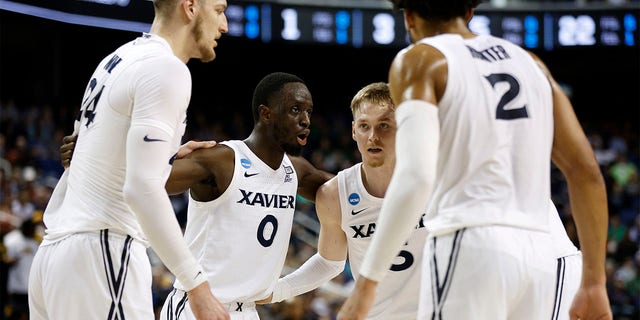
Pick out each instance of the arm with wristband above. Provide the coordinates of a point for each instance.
(417, 142)
(161, 97)
(332, 249)
(313, 273)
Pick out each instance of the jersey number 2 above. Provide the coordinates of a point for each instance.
(512, 92)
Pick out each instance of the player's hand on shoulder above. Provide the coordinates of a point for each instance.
(193, 145)
(66, 149)
(204, 305)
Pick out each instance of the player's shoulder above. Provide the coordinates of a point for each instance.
(328, 190)
(165, 64)
(218, 156)
(328, 198)
(419, 49)
(219, 150)
(153, 53)
(418, 56)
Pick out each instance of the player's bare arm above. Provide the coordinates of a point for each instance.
(190, 167)
(310, 178)
(573, 155)
(417, 79)
(332, 241)
(193, 145)
(206, 172)
(332, 249)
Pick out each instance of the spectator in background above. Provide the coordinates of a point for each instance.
(622, 170)
(22, 206)
(21, 247)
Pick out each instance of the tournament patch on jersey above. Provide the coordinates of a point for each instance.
(354, 199)
(246, 163)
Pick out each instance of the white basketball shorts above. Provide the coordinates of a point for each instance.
(176, 307)
(488, 273)
(92, 275)
(568, 276)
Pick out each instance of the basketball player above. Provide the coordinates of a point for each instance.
(242, 199)
(374, 124)
(348, 206)
(111, 203)
(363, 186)
(238, 185)
(478, 120)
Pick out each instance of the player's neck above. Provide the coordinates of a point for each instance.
(175, 36)
(270, 154)
(376, 180)
(434, 28)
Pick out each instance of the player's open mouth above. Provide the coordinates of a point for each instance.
(374, 150)
(302, 138)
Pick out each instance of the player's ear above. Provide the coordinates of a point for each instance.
(353, 130)
(189, 9)
(469, 15)
(265, 113)
(409, 23)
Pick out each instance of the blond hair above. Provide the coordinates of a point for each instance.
(377, 92)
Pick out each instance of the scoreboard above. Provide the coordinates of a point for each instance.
(272, 22)
(549, 30)
(275, 22)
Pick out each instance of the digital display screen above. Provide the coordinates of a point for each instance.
(348, 27)
(550, 30)
(275, 22)
(605, 29)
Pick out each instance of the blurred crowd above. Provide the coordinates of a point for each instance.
(30, 136)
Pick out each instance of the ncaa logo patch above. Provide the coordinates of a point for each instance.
(245, 163)
(354, 199)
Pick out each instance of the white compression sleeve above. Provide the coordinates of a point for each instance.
(417, 141)
(311, 274)
(145, 193)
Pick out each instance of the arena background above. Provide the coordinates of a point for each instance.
(45, 64)
(45, 61)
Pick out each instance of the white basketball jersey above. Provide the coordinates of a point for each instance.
(496, 134)
(89, 196)
(397, 295)
(241, 238)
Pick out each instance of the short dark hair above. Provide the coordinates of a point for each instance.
(436, 9)
(268, 86)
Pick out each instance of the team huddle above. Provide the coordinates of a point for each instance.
(447, 216)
